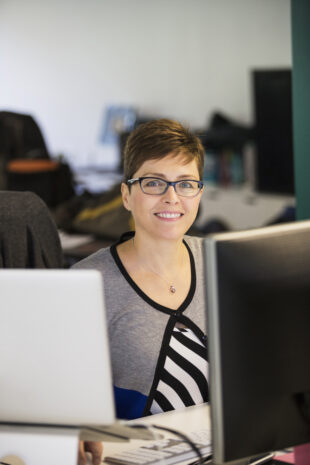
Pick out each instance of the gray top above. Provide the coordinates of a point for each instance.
(137, 324)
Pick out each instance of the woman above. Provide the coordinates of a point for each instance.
(153, 277)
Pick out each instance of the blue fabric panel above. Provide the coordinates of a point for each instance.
(129, 404)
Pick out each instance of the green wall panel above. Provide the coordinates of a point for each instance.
(301, 104)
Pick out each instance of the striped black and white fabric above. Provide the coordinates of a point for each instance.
(183, 378)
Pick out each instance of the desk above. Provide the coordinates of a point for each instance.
(184, 420)
(51, 446)
(241, 208)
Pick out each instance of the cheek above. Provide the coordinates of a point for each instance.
(193, 206)
(138, 203)
(192, 210)
(134, 201)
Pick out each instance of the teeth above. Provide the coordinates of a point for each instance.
(169, 215)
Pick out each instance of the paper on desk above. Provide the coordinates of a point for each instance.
(286, 458)
(69, 241)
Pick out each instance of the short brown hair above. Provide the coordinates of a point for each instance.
(156, 139)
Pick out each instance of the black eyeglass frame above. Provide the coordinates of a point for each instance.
(130, 182)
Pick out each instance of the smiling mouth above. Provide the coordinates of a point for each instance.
(169, 215)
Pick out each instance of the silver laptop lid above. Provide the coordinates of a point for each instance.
(54, 354)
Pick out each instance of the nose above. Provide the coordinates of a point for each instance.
(170, 196)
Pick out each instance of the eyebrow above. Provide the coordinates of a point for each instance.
(162, 175)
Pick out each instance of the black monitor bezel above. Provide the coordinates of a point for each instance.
(289, 236)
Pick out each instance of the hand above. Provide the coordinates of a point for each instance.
(95, 448)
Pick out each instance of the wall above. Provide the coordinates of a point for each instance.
(301, 104)
(65, 61)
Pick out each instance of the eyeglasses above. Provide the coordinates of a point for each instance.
(158, 186)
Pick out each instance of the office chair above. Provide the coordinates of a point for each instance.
(28, 234)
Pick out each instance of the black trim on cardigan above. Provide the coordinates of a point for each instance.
(164, 349)
(160, 364)
(199, 333)
(139, 291)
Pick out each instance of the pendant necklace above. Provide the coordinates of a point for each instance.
(172, 288)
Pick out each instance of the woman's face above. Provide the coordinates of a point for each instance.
(166, 216)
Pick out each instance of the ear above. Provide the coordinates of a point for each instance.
(125, 196)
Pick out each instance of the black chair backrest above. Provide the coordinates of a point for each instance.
(28, 234)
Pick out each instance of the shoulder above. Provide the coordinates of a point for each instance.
(195, 244)
(98, 260)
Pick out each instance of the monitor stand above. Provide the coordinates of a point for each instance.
(29, 445)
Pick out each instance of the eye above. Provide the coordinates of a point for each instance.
(188, 184)
(153, 183)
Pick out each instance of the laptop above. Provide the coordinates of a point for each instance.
(54, 352)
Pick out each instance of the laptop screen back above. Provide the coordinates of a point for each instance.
(54, 354)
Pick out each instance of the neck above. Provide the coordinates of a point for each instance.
(163, 255)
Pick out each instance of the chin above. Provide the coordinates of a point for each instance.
(173, 234)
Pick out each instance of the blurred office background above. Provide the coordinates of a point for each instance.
(64, 62)
(69, 63)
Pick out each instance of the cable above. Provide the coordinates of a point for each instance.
(156, 436)
(185, 438)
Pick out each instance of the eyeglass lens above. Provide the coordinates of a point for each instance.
(186, 188)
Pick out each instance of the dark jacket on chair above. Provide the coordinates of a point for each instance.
(28, 235)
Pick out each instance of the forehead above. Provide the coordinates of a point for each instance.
(169, 166)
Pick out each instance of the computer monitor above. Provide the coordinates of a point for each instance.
(54, 352)
(258, 315)
(272, 111)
